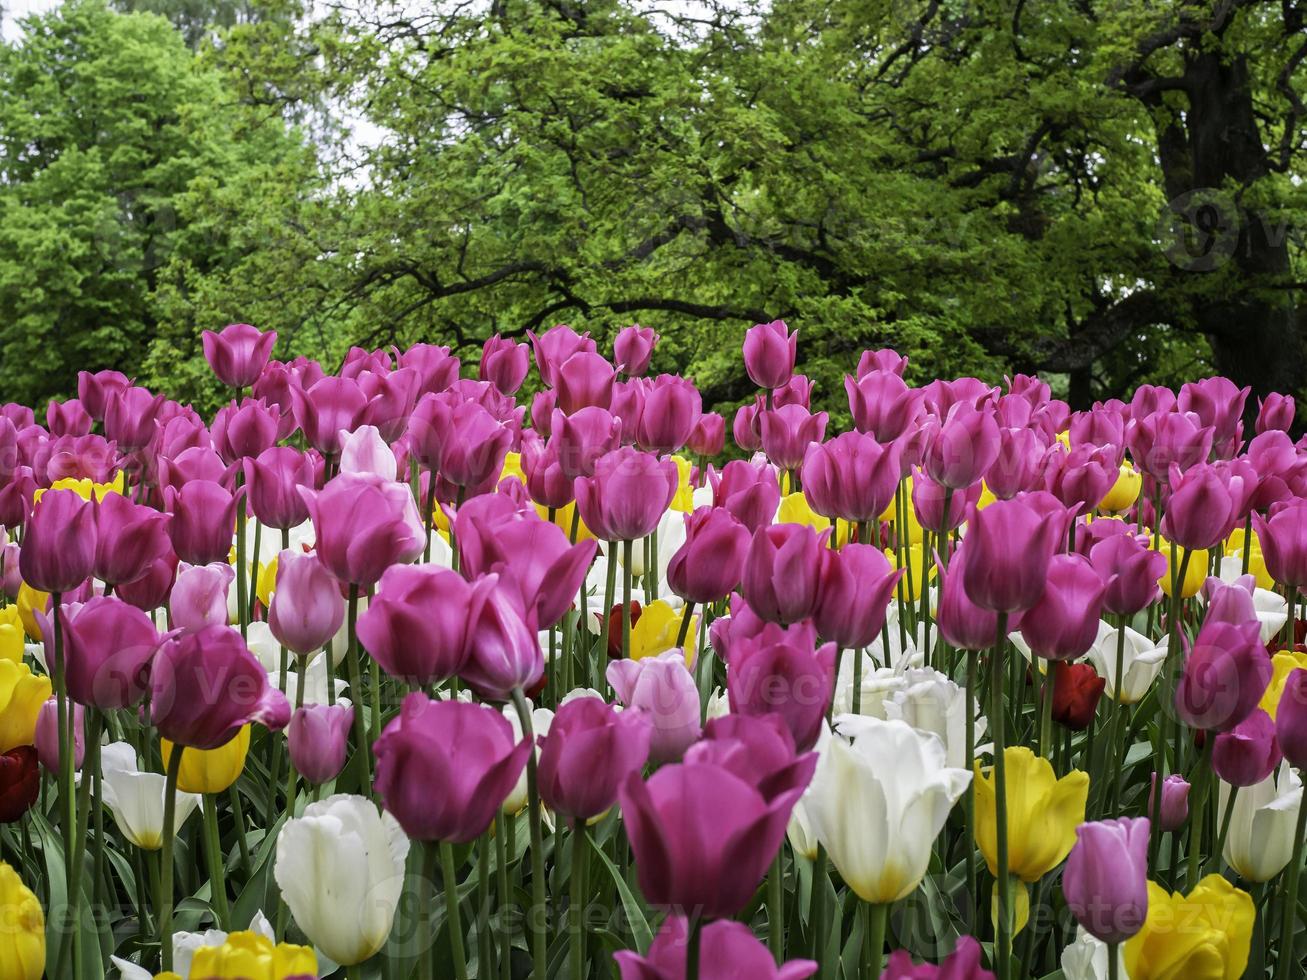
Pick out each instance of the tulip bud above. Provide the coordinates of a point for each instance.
(307, 608)
(504, 363)
(627, 495)
(1077, 689)
(1105, 880)
(769, 353)
(58, 549)
(584, 379)
(199, 596)
(1175, 802)
(749, 491)
(1291, 719)
(708, 437)
(632, 349)
(961, 447)
(108, 648)
(672, 407)
(788, 431)
(853, 595)
(318, 737)
(664, 690)
(238, 353)
(711, 561)
(504, 646)
(1275, 413)
(781, 572)
(363, 525)
(20, 783)
(1009, 546)
(47, 735)
(746, 426)
(1247, 753)
(587, 755)
(95, 390)
(328, 408)
(1224, 676)
(1062, 625)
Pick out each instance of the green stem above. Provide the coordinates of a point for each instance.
(686, 616)
(536, 914)
(213, 852)
(1113, 962)
(165, 874)
(776, 906)
(501, 886)
(692, 949)
(1118, 750)
(242, 571)
(1290, 902)
(356, 692)
(1224, 830)
(484, 951)
(874, 950)
(1003, 937)
(969, 842)
(576, 906)
(452, 919)
(627, 555)
(1202, 783)
(817, 906)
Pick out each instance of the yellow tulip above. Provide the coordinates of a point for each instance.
(29, 602)
(1018, 905)
(1205, 935)
(986, 496)
(563, 518)
(1124, 492)
(1195, 572)
(912, 529)
(265, 582)
(11, 634)
(210, 770)
(85, 488)
(21, 695)
(656, 629)
(1283, 664)
(909, 586)
(22, 939)
(250, 956)
(683, 500)
(1042, 813)
(1234, 545)
(512, 467)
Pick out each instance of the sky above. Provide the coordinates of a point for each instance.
(14, 10)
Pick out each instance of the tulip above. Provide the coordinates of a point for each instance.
(1124, 492)
(627, 495)
(1283, 541)
(365, 452)
(1164, 438)
(1043, 812)
(203, 518)
(961, 622)
(1141, 662)
(555, 346)
(782, 572)
(788, 431)
(769, 353)
(672, 407)
(1017, 464)
(1260, 841)
(1175, 802)
(205, 686)
(587, 755)
(1291, 717)
(796, 391)
(933, 704)
(1201, 511)
(11, 579)
(745, 426)
(505, 648)
(504, 364)
(882, 404)
(961, 964)
(787, 678)
(961, 447)
(1274, 413)
(1207, 933)
(199, 596)
(632, 349)
(727, 950)
(46, 736)
(95, 390)
(1076, 692)
(1105, 880)
(326, 409)
(245, 430)
(364, 525)
(474, 448)
(130, 417)
(108, 649)
(1218, 403)
(879, 803)
(81, 458)
(58, 549)
(547, 484)
(1247, 753)
(250, 955)
(210, 770)
(1130, 570)
(20, 783)
(416, 626)
(750, 492)
(710, 563)
(136, 798)
(702, 836)
(238, 353)
(22, 694)
(130, 538)
(307, 609)
(853, 595)
(760, 750)
(1224, 676)
(584, 379)
(22, 947)
(662, 688)
(708, 437)
(1063, 624)
(1009, 546)
(444, 767)
(582, 438)
(852, 477)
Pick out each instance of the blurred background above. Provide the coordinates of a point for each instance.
(1107, 192)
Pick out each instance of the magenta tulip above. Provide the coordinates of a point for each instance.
(1275, 413)
(504, 363)
(788, 431)
(46, 737)
(582, 438)
(68, 418)
(1201, 511)
(1284, 543)
(1130, 570)
(672, 407)
(317, 739)
(59, 542)
(633, 348)
(882, 404)
(307, 607)
(759, 749)
(546, 481)
(708, 437)
(749, 491)
(853, 595)
(11, 579)
(663, 689)
(929, 498)
(130, 538)
(1291, 719)
(238, 353)
(788, 679)
(852, 477)
(627, 495)
(153, 588)
(782, 571)
(273, 479)
(961, 622)
(1063, 623)
(331, 407)
(769, 353)
(445, 767)
(1224, 676)
(363, 526)
(702, 837)
(206, 686)
(1247, 753)
(108, 648)
(555, 346)
(416, 626)
(1009, 546)
(476, 446)
(1218, 403)
(203, 521)
(199, 596)
(587, 755)
(436, 368)
(95, 390)
(1175, 802)
(727, 951)
(1166, 438)
(711, 561)
(247, 430)
(961, 964)
(1105, 880)
(1081, 477)
(505, 649)
(962, 446)
(585, 379)
(746, 426)
(130, 417)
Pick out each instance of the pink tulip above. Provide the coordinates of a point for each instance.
(390, 400)
(273, 479)
(1247, 753)
(1151, 399)
(1224, 676)
(1106, 878)
(505, 650)
(206, 686)
(203, 521)
(95, 390)
(627, 495)
(661, 688)
(961, 964)
(1080, 477)
(633, 348)
(46, 738)
(504, 363)
(746, 427)
(416, 626)
(708, 437)
(363, 526)
(318, 738)
(11, 579)
(1218, 403)
(1275, 413)
(192, 465)
(555, 346)
(152, 589)
(1130, 570)
(702, 837)
(711, 561)
(728, 950)
(782, 571)
(324, 411)
(853, 595)
(1167, 438)
(882, 404)
(67, 418)
(852, 477)
(587, 755)
(787, 432)
(1009, 546)
(1201, 511)
(671, 409)
(961, 622)
(1291, 719)
(749, 491)
(435, 368)
(788, 679)
(238, 353)
(130, 538)
(130, 417)
(546, 482)
(769, 353)
(473, 454)
(585, 379)
(199, 596)
(1063, 624)
(108, 649)
(745, 630)
(1175, 803)
(759, 749)
(1284, 543)
(246, 430)
(307, 608)
(445, 767)
(582, 438)
(59, 542)
(81, 458)
(796, 391)
(928, 498)
(961, 446)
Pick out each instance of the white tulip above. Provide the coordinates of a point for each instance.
(1272, 610)
(340, 868)
(1086, 958)
(264, 646)
(364, 451)
(315, 681)
(878, 685)
(541, 719)
(879, 803)
(1260, 840)
(719, 705)
(930, 702)
(136, 799)
(1142, 660)
(802, 837)
(671, 535)
(901, 656)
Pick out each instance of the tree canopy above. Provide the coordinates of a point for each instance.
(1107, 193)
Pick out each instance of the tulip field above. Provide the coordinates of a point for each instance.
(525, 669)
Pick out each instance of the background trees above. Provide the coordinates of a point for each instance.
(1106, 192)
